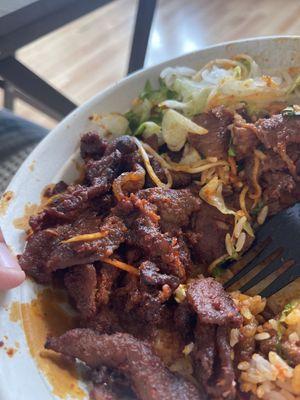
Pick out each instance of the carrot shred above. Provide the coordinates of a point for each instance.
(86, 237)
(121, 265)
(255, 196)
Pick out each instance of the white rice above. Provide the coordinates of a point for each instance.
(266, 378)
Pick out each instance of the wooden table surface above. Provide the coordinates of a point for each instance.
(89, 54)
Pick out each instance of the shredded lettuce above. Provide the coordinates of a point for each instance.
(145, 107)
(227, 82)
(149, 128)
(212, 194)
(139, 113)
(114, 123)
(190, 156)
(252, 68)
(192, 94)
(175, 128)
(170, 74)
(133, 121)
(155, 96)
(146, 93)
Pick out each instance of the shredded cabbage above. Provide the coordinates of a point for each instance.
(167, 110)
(149, 168)
(212, 194)
(194, 96)
(190, 156)
(148, 129)
(170, 74)
(230, 82)
(175, 128)
(226, 82)
(114, 123)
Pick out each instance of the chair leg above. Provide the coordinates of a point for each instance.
(9, 95)
(33, 86)
(141, 34)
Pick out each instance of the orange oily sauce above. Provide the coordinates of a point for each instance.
(11, 352)
(22, 223)
(30, 209)
(15, 312)
(42, 317)
(4, 201)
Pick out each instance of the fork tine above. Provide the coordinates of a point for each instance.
(245, 262)
(267, 266)
(283, 280)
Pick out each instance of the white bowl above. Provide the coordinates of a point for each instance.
(20, 377)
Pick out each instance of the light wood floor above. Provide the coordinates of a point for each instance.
(87, 55)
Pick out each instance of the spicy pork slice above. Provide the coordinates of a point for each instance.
(278, 130)
(150, 379)
(174, 207)
(101, 392)
(150, 275)
(216, 313)
(212, 304)
(212, 361)
(92, 146)
(51, 249)
(144, 233)
(215, 143)
(81, 284)
(118, 157)
(90, 287)
(206, 233)
(244, 139)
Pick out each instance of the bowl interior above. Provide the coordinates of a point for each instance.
(55, 158)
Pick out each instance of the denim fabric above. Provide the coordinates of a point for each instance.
(18, 137)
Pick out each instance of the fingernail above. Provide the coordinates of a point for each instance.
(7, 260)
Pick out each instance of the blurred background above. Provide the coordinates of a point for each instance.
(87, 55)
(55, 54)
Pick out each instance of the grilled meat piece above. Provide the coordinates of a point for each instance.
(215, 143)
(173, 206)
(151, 275)
(81, 284)
(135, 359)
(244, 139)
(212, 304)
(206, 233)
(92, 145)
(47, 251)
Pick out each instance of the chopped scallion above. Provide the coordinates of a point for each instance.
(231, 152)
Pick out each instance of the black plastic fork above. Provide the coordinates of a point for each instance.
(275, 255)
